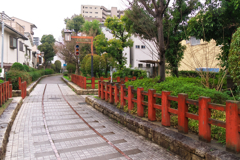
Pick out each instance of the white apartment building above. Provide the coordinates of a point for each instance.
(100, 13)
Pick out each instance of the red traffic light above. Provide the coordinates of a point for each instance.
(77, 49)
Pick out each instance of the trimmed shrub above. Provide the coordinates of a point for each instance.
(53, 67)
(71, 68)
(26, 68)
(14, 74)
(58, 66)
(49, 71)
(17, 66)
(128, 72)
(36, 74)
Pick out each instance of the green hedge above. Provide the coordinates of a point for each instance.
(36, 74)
(128, 72)
(17, 66)
(14, 74)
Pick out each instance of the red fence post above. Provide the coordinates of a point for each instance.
(10, 90)
(130, 97)
(19, 83)
(140, 98)
(22, 91)
(118, 79)
(126, 79)
(84, 83)
(1, 95)
(123, 94)
(106, 91)
(165, 106)
(7, 90)
(151, 102)
(110, 93)
(232, 124)
(134, 78)
(99, 89)
(93, 82)
(4, 92)
(204, 113)
(102, 90)
(116, 94)
(182, 109)
(101, 78)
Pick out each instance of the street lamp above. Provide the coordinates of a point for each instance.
(68, 38)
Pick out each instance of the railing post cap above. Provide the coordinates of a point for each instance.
(130, 86)
(153, 90)
(139, 87)
(183, 94)
(166, 92)
(234, 102)
(202, 97)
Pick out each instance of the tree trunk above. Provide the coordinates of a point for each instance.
(161, 48)
(77, 69)
(175, 71)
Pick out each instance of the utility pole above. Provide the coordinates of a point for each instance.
(2, 39)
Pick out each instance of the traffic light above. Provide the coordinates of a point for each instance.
(77, 49)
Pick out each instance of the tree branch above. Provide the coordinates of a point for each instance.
(148, 8)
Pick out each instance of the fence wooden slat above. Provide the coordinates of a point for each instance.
(99, 90)
(1, 95)
(204, 115)
(130, 96)
(232, 122)
(10, 90)
(110, 93)
(165, 106)
(151, 102)
(123, 94)
(102, 88)
(116, 94)
(182, 110)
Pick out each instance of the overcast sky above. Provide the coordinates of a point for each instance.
(48, 15)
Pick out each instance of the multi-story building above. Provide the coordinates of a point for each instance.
(36, 41)
(100, 13)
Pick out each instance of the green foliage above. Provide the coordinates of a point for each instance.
(83, 64)
(92, 28)
(71, 68)
(0, 70)
(58, 66)
(26, 68)
(98, 65)
(36, 74)
(14, 74)
(217, 20)
(128, 72)
(74, 23)
(234, 55)
(49, 71)
(53, 67)
(17, 66)
(65, 73)
(1, 81)
(47, 47)
(114, 47)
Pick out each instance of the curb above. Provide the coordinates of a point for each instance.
(6, 121)
(79, 90)
(185, 147)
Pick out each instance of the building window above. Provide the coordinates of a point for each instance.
(140, 65)
(96, 16)
(148, 65)
(95, 7)
(137, 46)
(90, 16)
(90, 12)
(13, 42)
(96, 12)
(86, 12)
(21, 46)
(86, 7)
(90, 7)
(143, 47)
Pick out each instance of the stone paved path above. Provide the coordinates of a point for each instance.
(71, 137)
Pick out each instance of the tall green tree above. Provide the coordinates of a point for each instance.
(217, 20)
(141, 20)
(74, 23)
(114, 47)
(47, 47)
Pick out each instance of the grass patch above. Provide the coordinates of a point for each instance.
(5, 105)
(67, 78)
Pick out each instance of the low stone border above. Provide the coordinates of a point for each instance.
(79, 90)
(187, 148)
(17, 93)
(6, 121)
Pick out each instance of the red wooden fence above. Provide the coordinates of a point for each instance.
(5, 92)
(23, 89)
(82, 81)
(110, 92)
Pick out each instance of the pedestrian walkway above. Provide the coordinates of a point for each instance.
(55, 123)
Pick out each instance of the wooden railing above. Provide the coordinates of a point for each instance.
(5, 92)
(116, 93)
(82, 81)
(23, 87)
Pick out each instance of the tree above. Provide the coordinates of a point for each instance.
(58, 65)
(114, 47)
(71, 68)
(217, 20)
(108, 62)
(165, 33)
(234, 56)
(74, 23)
(47, 47)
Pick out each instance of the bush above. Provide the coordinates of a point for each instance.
(36, 74)
(83, 66)
(49, 71)
(65, 73)
(128, 72)
(14, 74)
(26, 68)
(58, 66)
(32, 69)
(98, 65)
(53, 67)
(71, 68)
(17, 66)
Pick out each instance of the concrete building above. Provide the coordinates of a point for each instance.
(100, 13)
